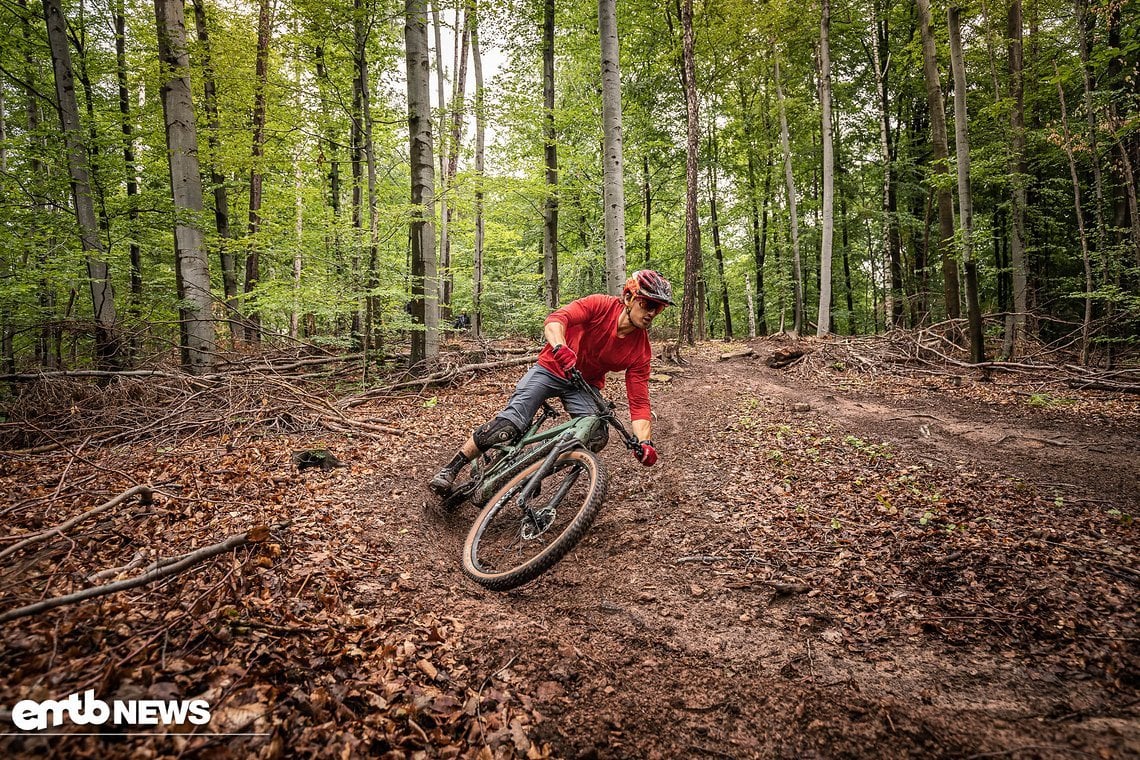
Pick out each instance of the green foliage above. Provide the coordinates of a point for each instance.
(310, 112)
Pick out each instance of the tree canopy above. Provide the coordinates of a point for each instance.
(307, 215)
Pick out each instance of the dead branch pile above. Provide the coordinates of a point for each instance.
(279, 395)
(58, 412)
(934, 351)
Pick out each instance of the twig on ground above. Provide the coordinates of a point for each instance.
(145, 491)
(155, 571)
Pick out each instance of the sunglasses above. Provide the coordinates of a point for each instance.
(653, 307)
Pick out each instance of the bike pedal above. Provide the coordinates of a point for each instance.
(459, 494)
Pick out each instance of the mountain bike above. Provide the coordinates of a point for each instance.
(538, 495)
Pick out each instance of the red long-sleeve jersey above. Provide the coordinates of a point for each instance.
(591, 331)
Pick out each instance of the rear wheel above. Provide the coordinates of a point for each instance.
(508, 545)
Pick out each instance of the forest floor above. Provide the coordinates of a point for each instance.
(825, 563)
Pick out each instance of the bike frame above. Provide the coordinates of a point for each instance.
(546, 444)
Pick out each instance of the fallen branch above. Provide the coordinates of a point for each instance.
(271, 368)
(348, 424)
(736, 355)
(1102, 385)
(32, 377)
(785, 357)
(102, 575)
(700, 558)
(449, 374)
(144, 490)
(155, 571)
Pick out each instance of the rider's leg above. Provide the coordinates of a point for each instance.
(442, 480)
(578, 403)
(536, 386)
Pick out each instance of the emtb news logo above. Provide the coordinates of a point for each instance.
(30, 715)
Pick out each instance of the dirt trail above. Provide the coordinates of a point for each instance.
(680, 627)
(822, 564)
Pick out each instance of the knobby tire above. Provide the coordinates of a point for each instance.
(502, 517)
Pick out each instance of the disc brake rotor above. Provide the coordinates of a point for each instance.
(541, 522)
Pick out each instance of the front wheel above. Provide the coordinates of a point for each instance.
(509, 545)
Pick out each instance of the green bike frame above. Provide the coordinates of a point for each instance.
(490, 472)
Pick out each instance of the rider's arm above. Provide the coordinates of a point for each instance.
(555, 333)
(637, 392)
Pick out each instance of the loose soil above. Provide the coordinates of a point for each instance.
(823, 564)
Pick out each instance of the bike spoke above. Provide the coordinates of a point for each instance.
(514, 534)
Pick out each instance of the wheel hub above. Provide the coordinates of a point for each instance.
(538, 522)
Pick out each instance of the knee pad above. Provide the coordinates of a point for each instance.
(497, 431)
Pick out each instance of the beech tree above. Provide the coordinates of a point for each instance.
(191, 267)
(550, 152)
(425, 303)
(828, 221)
(613, 192)
(941, 166)
(692, 300)
(98, 270)
(965, 195)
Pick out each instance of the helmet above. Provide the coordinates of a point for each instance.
(649, 284)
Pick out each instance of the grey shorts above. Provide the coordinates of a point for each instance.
(536, 386)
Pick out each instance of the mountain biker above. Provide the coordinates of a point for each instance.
(596, 334)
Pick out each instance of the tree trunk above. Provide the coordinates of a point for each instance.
(217, 178)
(132, 185)
(78, 35)
(98, 271)
(845, 248)
(892, 253)
(356, 156)
(298, 201)
(1018, 174)
(760, 237)
(458, 117)
(1085, 22)
(1085, 325)
(48, 338)
(613, 192)
(362, 24)
(425, 288)
(648, 196)
(7, 351)
(823, 325)
(1121, 84)
(1129, 188)
(941, 162)
(441, 130)
(789, 178)
(253, 253)
(873, 282)
(480, 137)
(965, 199)
(331, 143)
(191, 266)
(550, 207)
(719, 252)
(693, 296)
(3, 135)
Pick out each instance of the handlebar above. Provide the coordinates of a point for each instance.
(605, 409)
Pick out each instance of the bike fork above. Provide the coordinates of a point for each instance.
(565, 443)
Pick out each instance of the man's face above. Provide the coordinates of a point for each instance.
(642, 311)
